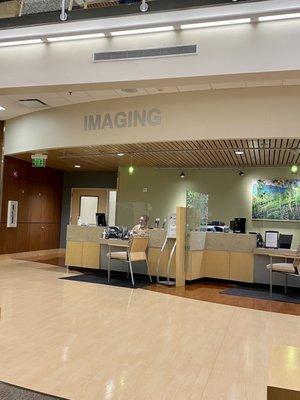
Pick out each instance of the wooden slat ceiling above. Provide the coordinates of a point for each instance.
(177, 154)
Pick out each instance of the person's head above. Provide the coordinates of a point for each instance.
(143, 221)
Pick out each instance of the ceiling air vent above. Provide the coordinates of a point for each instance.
(33, 103)
(146, 53)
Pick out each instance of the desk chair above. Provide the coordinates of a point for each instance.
(286, 268)
(134, 250)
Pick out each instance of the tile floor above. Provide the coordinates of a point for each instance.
(86, 342)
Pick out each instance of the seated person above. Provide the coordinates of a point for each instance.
(141, 229)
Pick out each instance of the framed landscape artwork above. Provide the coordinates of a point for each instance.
(277, 199)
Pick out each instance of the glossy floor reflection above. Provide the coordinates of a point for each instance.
(86, 341)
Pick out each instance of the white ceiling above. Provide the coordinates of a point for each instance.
(13, 108)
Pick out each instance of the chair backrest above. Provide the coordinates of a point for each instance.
(285, 241)
(139, 244)
(297, 261)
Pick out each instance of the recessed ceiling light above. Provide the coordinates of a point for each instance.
(294, 169)
(120, 154)
(239, 152)
(20, 42)
(217, 23)
(77, 166)
(143, 30)
(75, 37)
(2, 108)
(278, 17)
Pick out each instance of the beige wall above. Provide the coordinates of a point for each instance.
(266, 112)
(229, 194)
(228, 50)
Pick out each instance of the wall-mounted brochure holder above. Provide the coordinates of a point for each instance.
(170, 242)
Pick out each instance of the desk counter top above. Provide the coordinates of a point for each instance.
(262, 251)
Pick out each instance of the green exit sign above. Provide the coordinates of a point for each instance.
(39, 162)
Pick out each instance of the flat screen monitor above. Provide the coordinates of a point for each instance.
(240, 225)
(271, 239)
(100, 219)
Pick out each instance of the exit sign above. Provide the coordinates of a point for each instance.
(39, 162)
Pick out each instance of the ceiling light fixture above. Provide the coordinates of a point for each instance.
(143, 30)
(20, 42)
(278, 17)
(2, 108)
(182, 175)
(120, 154)
(239, 152)
(75, 37)
(77, 166)
(217, 23)
(294, 169)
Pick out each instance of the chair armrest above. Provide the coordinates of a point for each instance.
(111, 244)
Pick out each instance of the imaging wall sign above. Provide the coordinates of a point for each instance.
(122, 119)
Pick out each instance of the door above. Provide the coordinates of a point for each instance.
(98, 200)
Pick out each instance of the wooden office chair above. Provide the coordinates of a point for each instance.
(286, 268)
(135, 251)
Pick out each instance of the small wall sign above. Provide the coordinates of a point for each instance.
(12, 214)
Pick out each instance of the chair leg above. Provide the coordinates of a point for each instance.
(67, 269)
(127, 269)
(130, 266)
(285, 288)
(271, 282)
(108, 269)
(148, 269)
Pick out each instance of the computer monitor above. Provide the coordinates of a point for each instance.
(100, 219)
(285, 241)
(240, 225)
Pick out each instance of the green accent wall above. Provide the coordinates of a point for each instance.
(229, 194)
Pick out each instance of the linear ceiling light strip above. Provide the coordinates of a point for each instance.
(75, 37)
(20, 42)
(217, 23)
(143, 30)
(278, 17)
(207, 24)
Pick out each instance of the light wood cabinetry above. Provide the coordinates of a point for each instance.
(91, 255)
(241, 267)
(83, 254)
(194, 265)
(216, 264)
(284, 370)
(74, 254)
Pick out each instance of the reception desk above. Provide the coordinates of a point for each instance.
(220, 255)
(212, 255)
(228, 256)
(87, 249)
